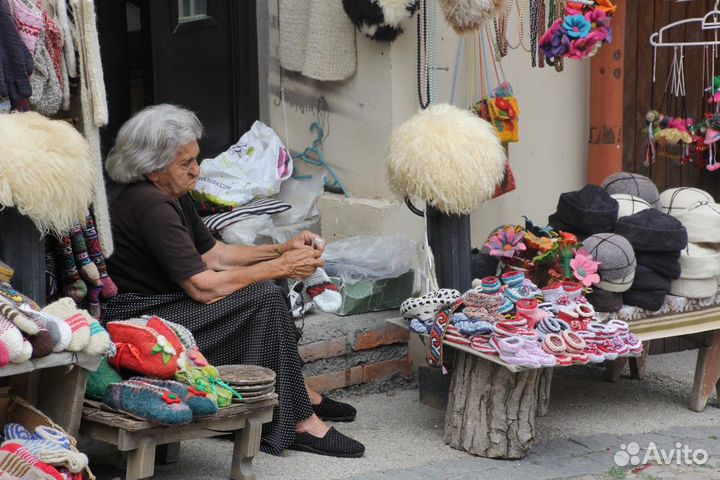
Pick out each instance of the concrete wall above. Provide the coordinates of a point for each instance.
(549, 159)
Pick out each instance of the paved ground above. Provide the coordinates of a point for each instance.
(589, 421)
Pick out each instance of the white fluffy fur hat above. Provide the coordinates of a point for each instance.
(467, 15)
(698, 262)
(46, 170)
(447, 157)
(676, 200)
(701, 220)
(699, 288)
(629, 204)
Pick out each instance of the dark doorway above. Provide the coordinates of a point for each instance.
(200, 54)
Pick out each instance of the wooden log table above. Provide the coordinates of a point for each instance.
(140, 438)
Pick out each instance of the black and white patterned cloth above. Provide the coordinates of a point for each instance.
(264, 206)
(251, 326)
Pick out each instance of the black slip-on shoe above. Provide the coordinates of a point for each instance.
(333, 444)
(330, 410)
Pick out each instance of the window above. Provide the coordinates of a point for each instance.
(192, 10)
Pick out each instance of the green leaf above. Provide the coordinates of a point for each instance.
(157, 349)
(166, 357)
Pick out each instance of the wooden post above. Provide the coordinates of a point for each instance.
(491, 410)
(543, 395)
(449, 239)
(707, 374)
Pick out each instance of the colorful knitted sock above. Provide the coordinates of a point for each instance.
(26, 353)
(322, 292)
(149, 402)
(42, 342)
(65, 309)
(25, 454)
(48, 445)
(70, 283)
(9, 311)
(96, 255)
(198, 401)
(88, 270)
(99, 337)
(17, 466)
(11, 338)
(58, 328)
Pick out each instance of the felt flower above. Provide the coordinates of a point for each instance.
(196, 392)
(170, 398)
(543, 244)
(576, 26)
(598, 20)
(555, 43)
(568, 238)
(584, 268)
(164, 348)
(605, 6)
(586, 47)
(506, 242)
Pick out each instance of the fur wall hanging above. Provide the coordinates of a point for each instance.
(467, 15)
(447, 157)
(46, 170)
(380, 19)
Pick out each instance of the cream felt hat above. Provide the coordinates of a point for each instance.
(702, 221)
(698, 288)
(697, 262)
(629, 204)
(677, 200)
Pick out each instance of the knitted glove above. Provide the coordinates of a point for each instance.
(16, 63)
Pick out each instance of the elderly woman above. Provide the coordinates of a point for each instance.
(166, 263)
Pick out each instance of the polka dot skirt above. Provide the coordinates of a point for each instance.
(251, 326)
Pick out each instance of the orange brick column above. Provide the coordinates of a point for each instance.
(605, 150)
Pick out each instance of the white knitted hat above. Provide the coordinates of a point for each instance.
(618, 286)
(317, 39)
(676, 200)
(703, 288)
(701, 220)
(630, 204)
(698, 262)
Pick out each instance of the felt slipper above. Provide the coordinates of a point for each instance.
(147, 401)
(427, 306)
(333, 444)
(198, 401)
(330, 410)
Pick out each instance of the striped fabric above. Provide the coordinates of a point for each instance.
(263, 206)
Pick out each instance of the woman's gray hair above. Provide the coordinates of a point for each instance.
(150, 140)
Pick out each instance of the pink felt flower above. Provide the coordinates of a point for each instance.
(585, 268)
(584, 47)
(506, 242)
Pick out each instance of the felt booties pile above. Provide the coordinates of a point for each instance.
(148, 402)
(198, 401)
(333, 444)
(330, 410)
(653, 231)
(587, 211)
(633, 184)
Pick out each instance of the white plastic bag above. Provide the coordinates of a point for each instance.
(245, 232)
(302, 195)
(370, 258)
(254, 167)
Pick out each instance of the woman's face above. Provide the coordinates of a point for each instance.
(180, 176)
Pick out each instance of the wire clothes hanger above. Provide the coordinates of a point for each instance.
(711, 21)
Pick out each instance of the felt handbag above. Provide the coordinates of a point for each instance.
(144, 350)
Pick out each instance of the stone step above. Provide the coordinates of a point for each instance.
(340, 352)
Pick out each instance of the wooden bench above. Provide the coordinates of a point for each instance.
(140, 438)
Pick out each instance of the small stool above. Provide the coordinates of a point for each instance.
(139, 438)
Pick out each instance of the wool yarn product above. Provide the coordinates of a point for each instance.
(587, 211)
(17, 63)
(615, 254)
(694, 288)
(323, 292)
(380, 19)
(8, 310)
(66, 309)
(48, 445)
(60, 331)
(42, 342)
(447, 157)
(149, 402)
(198, 401)
(11, 337)
(88, 270)
(42, 470)
(702, 221)
(94, 249)
(653, 231)
(629, 204)
(48, 171)
(676, 200)
(633, 184)
(99, 338)
(25, 354)
(71, 284)
(47, 94)
(468, 15)
(98, 380)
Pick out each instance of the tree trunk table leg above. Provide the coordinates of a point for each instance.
(638, 365)
(543, 398)
(247, 445)
(167, 454)
(707, 373)
(614, 369)
(141, 462)
(491, 410)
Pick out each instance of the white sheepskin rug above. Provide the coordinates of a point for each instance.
(447, 157)
(46, 170)
(467, 15)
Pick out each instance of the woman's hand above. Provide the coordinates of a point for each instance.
(301, 262)
(304, 240)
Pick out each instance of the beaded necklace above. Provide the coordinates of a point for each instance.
(426, 54)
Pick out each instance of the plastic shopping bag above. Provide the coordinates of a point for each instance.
(254, 167)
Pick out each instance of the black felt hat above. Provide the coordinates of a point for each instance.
(665, 263)
(648, 279)
(648, 300)
(587, 211)
(653, 231)
(482, 264)
(605, 301)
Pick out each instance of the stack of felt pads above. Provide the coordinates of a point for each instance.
(252, 382)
